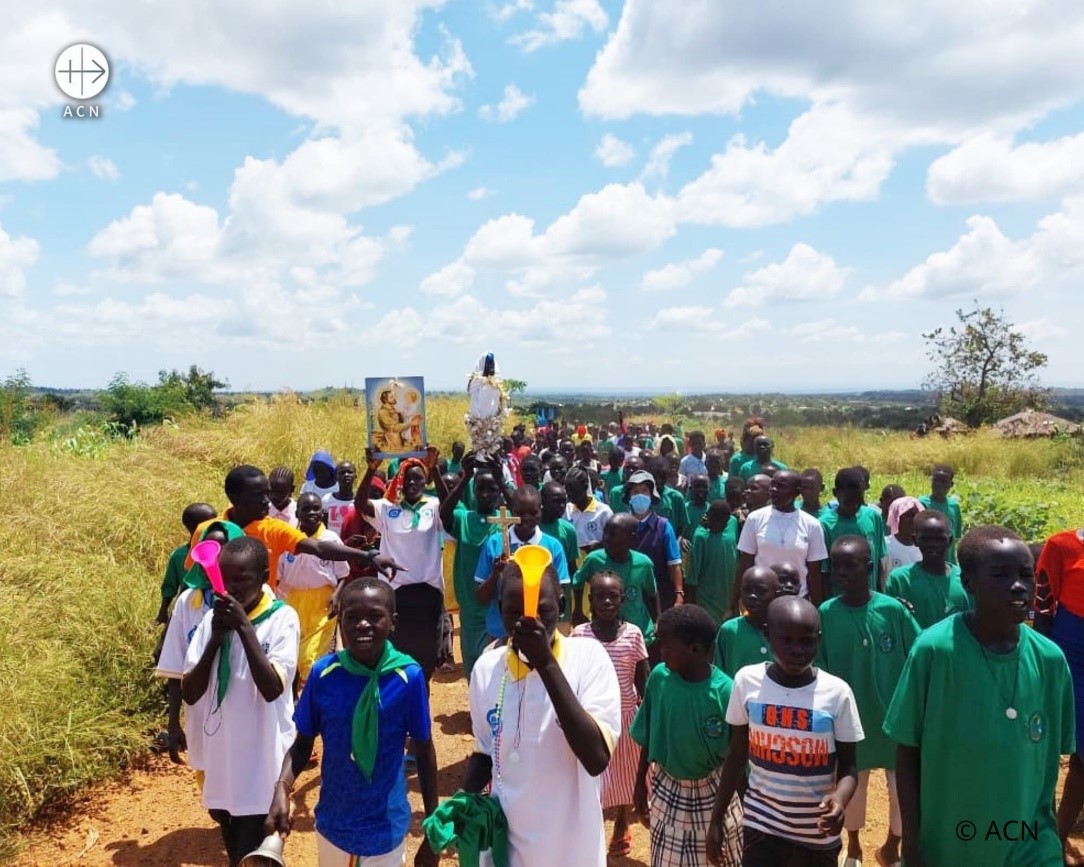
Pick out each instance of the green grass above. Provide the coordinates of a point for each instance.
(86, 529)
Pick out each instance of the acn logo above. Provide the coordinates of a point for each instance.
(82, 71)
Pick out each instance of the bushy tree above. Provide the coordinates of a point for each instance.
(983, 368)
(19, 413)
(197, 386)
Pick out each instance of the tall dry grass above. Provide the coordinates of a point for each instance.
(85, 539)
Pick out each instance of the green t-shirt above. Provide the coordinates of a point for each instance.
(470, 531)
(637, 575)
(751, 467)
(934, 597)
(867, 647)
(736, 461)
(615, 499)
(682, 725)
(716, 489)
(454, 467)
(671, 506)
(173, 580)
(713, 565)
(605, 446)
(611, 479)
(739, 644)
(977, 765)
(868, 524)
(565, 533)
(950, 507)
(694, 516)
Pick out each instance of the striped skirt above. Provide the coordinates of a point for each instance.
(680, 814)
(619, 778)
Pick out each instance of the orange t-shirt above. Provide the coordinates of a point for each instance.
(277, 536)
(1062, 561)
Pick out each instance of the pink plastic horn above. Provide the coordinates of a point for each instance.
(206, 555)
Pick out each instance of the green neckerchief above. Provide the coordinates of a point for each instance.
(471, 824)
(195, 578)
(366, 728)
(224, 668)
(415, 511)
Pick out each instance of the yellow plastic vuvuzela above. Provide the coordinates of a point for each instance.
(532, 561)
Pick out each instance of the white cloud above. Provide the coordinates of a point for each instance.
(16, 255)
(103, 167)
(479, 193)
(513, 103)
(658, 163)
(567, 21)
(613, 152)
(990, 168)
(805, 275)
(451, 280)
(507, 11)
(986, 263)
(678, 275)
(1042, 330)
(698, 319)
(825, 330)
(123, 101)
(22, 157)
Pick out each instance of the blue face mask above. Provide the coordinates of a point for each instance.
(639, 503)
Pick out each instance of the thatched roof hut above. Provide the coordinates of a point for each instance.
(1031, 423)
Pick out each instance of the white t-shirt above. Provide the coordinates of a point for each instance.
(590, 521)
(792, 749)
(337, 512)
(182, 627)
(775, 537)
(309, 572)
(898, 554)
(310, 487)
(547, 775)
(246, 739)
(289, 514)
(417, 549)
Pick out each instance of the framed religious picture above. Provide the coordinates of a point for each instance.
(395, 412)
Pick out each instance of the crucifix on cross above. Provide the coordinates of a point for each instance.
(505, 519)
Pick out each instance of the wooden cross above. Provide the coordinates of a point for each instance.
(505, 520)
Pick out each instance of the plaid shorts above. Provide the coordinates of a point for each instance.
(680, 813)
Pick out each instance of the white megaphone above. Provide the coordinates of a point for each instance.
(268, 855)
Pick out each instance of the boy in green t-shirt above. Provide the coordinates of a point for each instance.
(811, 487)
(941, 481)
(637, 573)
(982, 714)
(852, 518)
(193, 515)
(696, 505)
(713, 561)
(611, 478)
(715, 461)
(554, 505)
(931, 588)
(741, 640)
(866, 637)
(671, 504)
(681, 729)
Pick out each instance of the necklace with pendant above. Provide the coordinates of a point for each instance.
(856, 623)
(1010, 705)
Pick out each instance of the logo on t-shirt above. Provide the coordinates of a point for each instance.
(1036, 727)
(394, 513)
(494, 720)
(886, 643)
(714, 727)
(632, 593)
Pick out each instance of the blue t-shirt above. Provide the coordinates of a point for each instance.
(493, 549)
(363, 817)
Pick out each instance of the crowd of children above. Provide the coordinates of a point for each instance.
(713, 651)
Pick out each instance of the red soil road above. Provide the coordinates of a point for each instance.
(151, 816)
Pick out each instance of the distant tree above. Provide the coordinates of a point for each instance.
(197, 386)
(515, 386)
(983, 368)
(673, 407)
(19, 413)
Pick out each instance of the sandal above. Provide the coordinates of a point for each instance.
(621, 847)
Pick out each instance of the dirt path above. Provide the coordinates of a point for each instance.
(151, 816)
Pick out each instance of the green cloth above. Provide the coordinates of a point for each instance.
(175, 571)
(867, 647)
(610, 479)
(682, 725)
(615, 499)
(738, 644)
(565, 533)
(225, 668)
(671, 506)
(471, 824)
(196, 578)
(736, 461)
(950, 507)
(933, 597)
(868, 524)
(713, 566)
(454, 467)
(752, 467)
(365, 732)
(638, 577)
(716, 489)
(470, 531)
(694, 515)
(976, 764)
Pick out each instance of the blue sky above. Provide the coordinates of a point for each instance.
(628, 195)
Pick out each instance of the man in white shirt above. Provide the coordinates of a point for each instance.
(584, 511)
(544, 729)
